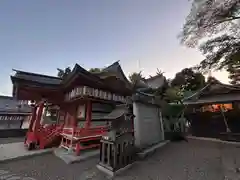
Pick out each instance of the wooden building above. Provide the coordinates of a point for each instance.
(214, 110)
(82, 100)
(14, 116)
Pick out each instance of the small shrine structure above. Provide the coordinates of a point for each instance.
(117, 146)
(128, 133)
(70, 112)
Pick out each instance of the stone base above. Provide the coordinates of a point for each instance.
(151, 149)
(112, 174)
(70, 157)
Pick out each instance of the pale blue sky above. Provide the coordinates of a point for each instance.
(39, 36)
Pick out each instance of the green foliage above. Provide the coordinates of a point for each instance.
(162, 90)
(63, 73)
(188, 80)
(135, 77)
(234, 72)
(209, 17)
(95, 70)
(220, 52)
(173, 94)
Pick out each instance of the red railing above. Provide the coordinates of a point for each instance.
(47, 133)
(82, 132)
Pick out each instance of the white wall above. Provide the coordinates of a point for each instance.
(148, 127)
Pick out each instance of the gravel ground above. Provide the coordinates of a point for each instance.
(195, 160)
(11, 140)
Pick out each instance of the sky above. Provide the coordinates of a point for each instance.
(41, 36)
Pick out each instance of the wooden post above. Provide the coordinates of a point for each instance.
(33, 118)
(103, 152)
(109, 154)
(39, 116)
(89, 115)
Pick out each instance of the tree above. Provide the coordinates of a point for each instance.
(135, 77)
(95, 70)
(188, 80)
(63, 73)
(158, 73)
(221, 52)
(234, 73)
(209, 17)
(173, 94)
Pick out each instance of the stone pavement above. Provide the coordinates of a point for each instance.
(195, 160)
(70, 157)
(13, 151)
(11, 140)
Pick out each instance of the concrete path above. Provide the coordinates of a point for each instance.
(7, 175)
(14, 151)
(195, 160)
(11, 140)
(213, 140)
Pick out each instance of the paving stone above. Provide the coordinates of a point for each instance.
(13, 151)
(195, 160)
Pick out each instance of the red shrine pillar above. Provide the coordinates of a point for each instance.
(33, 118)
(89, 114)
(39, 115)
(73, 121)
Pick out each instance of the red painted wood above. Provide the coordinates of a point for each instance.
(33, 117)
(39, 116)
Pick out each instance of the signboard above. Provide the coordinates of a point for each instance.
(92, 92)
(81, 111)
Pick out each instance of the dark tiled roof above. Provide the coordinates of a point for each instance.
(39, 78)
(116, 69)
(119, 111)
(216, 92)
(214, 99)
(89, 78)
(10, 105)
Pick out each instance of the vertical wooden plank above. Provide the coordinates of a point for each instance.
(114, 156)
(89, 115)
(103, 152)
(108, 154)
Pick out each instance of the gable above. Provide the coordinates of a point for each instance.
(116, 69)
(38, 78)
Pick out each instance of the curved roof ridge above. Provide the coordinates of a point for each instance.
(36, 74)
(117, 69)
